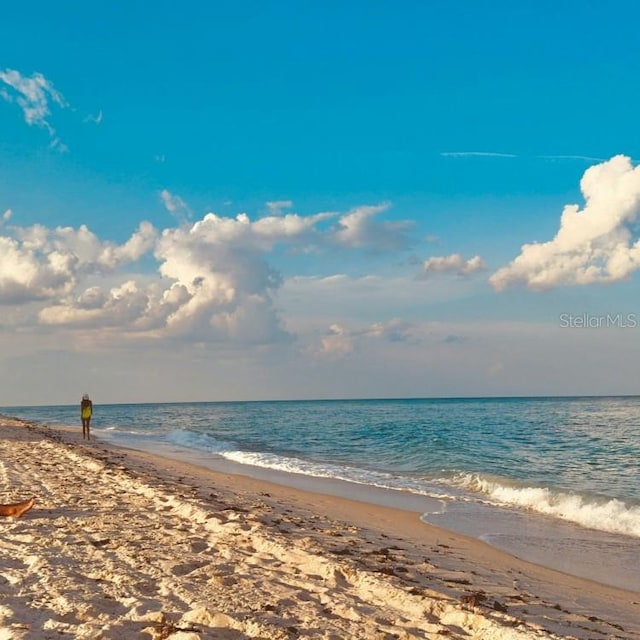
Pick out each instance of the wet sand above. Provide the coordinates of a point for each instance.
(126, 544)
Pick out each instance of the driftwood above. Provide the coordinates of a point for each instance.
(17, 508)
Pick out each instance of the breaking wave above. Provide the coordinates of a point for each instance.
(603, 514)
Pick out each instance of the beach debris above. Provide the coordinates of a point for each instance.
(100, 543)
(474, 599)
(166, 627)
(17, 509)
(498, 606)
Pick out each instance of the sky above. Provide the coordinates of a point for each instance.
(249, 200)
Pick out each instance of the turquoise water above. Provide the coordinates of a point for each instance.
(570, 461)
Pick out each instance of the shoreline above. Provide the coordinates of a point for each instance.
(135, 537)
(555, 544)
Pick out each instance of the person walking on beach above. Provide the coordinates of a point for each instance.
(86, 411)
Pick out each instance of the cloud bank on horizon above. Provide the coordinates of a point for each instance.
(214, 280)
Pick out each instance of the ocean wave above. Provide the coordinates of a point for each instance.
(199, 441)
(117, 431)
(379, 479)
(610, 515)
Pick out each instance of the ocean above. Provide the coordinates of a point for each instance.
(552, 480)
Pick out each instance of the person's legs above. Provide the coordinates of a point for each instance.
(88, 428)
(84, 428)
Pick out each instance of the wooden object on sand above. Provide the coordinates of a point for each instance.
(17, 508)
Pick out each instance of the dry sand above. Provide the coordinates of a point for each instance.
(122, 544)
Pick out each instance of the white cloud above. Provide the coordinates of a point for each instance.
(476, 154)
(490, 154)
(213, 280)
(358, 228)
(228, 284)
(26, 276)
(395, 330)
(216, 283)
(34, 95)
(339, 340)
(141, 242)
(454, 263)
(121, 306)
(596, 244)
(37, 263)
(573, 157)
(87, 250)
(309, 303)
(275, 207)
(94, 119)
(175, 205)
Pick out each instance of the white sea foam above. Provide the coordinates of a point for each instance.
(315, 469)
(613, 516)
(116, 432)
(378, 479)
(198, 441)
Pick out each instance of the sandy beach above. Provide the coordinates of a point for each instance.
(123, 544)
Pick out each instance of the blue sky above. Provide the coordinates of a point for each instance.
(392, 165)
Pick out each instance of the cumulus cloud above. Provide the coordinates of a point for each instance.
(84, 247)
(339, 340)
(27, 276)
(120, 306)
(220, 264)
(454, 263)
(216, 282)
(358, 228)
(394, 330)
(141, 242)
(37, 263)
(132, 307)
(212, 280)
(596, 244)
(34, 95)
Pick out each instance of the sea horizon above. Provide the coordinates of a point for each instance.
(338, 399)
